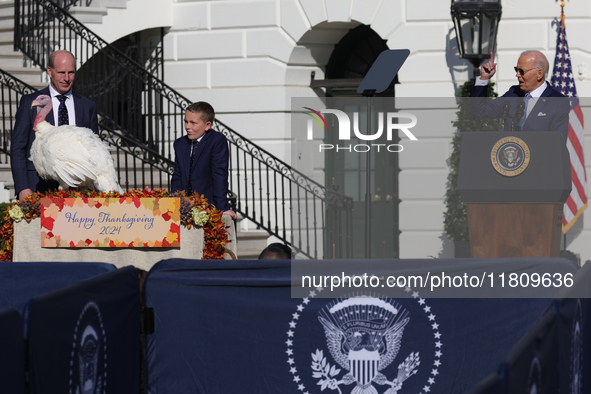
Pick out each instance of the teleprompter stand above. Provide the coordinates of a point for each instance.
(378, 78)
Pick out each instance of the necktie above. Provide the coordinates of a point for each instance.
(524, 117)
(62, 111)
(193, 145)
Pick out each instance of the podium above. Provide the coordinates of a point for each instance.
(514, 186)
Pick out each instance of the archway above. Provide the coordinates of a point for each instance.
(345, 171)
(117, 89)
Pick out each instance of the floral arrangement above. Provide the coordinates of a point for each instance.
(195, 211)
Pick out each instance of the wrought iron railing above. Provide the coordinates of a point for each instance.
(143, 116)
(288, 204)
(66, 4)
(134, 162)
(12, 91)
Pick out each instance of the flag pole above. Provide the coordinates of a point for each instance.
(562, 18)
(562, 4)
(563, 24)
(563, 81)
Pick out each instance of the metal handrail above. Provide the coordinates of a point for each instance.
(126, 150)
(258, 176)
(143, 116)
(12, 91)
(66, 4)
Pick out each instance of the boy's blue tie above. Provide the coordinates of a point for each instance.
(62, 111)
(190, 187)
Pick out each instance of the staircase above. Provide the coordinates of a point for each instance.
(19, 66)
(13, 63)
(94, 12)
(250, 242)
(273, 198)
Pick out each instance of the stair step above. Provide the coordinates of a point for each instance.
(10, 96)
(11, 99)
(8, 183)
(250, 242)
(253, 235)
(11, 60)
(113, 3)
(88, 14)
(7, 35)
(6, 176)
(31, 76)
(254, 240)
(6, 9)
(6, 46)
(7, 23)
(247, 254)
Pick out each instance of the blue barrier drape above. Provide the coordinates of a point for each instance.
(86, 337)
(574, 343)
(232, 327)
(532, 365)
(20, 282)
(12, 351)
(492, 384)
(555, 354)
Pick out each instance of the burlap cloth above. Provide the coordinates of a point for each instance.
(27, 247)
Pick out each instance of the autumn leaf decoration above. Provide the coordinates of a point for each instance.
(216, 236)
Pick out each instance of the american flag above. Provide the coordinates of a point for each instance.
(563, 81)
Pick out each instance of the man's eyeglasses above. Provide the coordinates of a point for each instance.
(522, 72)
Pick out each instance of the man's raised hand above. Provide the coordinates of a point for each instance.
(488, 69)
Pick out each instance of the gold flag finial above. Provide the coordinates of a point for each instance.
(562, 11)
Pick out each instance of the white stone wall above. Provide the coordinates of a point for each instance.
(423, 178)
(125, 17)
(249, 57)
(433, 69)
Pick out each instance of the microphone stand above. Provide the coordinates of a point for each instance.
(505, 115)
(518, 115)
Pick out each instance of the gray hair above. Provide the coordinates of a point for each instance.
(540, 60)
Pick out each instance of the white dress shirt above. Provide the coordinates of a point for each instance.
(69, 105)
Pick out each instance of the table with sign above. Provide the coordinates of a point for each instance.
(120, 231)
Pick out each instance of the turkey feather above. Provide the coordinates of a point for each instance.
(74, 156)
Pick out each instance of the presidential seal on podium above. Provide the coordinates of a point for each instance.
(510, 156)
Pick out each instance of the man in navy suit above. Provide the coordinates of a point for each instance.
(201, 158)
(532, 105)
(80, 111)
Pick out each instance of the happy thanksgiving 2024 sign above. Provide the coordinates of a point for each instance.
(110, 222)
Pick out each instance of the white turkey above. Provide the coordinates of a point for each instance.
(74, 156)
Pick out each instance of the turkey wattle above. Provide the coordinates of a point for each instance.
(74, 156)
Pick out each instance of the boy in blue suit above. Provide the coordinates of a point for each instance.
(201, 158)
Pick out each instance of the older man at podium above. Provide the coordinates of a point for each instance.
(541, 109)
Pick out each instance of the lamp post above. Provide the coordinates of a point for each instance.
(476, 23)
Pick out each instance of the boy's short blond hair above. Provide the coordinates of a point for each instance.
(204, 109)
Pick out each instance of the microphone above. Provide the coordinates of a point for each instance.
(519, 114)
(506, 108)
(505, 115)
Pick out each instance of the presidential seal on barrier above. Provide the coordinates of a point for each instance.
(370, 345)
(510, 156)
(88, 359)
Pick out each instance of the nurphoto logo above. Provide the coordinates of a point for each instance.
(390, 119)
